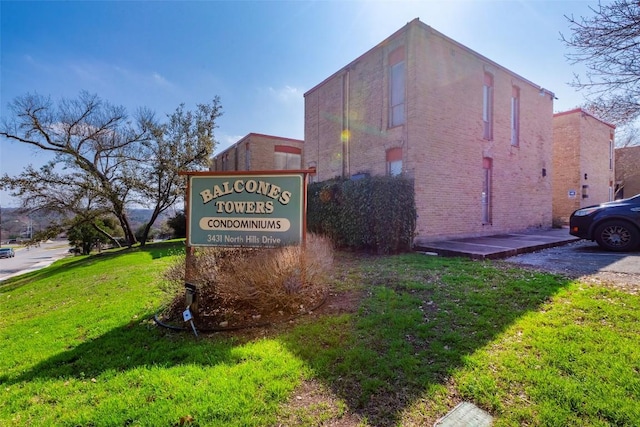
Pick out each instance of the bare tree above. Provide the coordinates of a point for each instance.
(608, 44)
(627, 171)
(103, 160)
(627, 136)
(88, 137)
(184, 143)
(71, 196)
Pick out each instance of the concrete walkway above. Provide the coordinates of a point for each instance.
(500, 245)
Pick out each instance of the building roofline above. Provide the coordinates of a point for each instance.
(350, 64)
(484, 58)
(249, 135)
(405, 28)
(630, 148)
(583, 112)
(281, 138)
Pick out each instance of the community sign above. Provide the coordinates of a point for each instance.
(246, 209)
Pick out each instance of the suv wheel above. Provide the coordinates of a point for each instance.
(619, 236)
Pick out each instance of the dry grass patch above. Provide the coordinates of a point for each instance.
(314, 404)
(241, 287)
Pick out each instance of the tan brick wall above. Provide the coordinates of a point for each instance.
(582, 162)
(566, 166)
(628, 169)
(442, 142)
(261, 153)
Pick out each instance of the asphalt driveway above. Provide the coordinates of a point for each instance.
(583, 258)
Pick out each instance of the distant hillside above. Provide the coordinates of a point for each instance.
(141, 216)
(14, 224)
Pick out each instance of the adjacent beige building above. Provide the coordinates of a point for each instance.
(258, 152)
(475, 137)
(583, 162)
(627, 171)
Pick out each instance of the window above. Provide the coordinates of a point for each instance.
(284, 161)
(236, 158)
(487, 164)
(515, 116)
(394, 162)
(396, 87)
(247, 157)
(611, 154)
(313, 177)
(287, 158)
(487, 106)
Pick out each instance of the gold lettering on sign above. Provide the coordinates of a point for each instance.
(264, 188)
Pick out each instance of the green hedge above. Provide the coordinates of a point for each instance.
(376, 214)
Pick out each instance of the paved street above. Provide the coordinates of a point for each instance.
(33, 258)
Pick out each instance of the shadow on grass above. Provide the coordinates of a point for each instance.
(156, 250)
(126, 348)
(421, 318)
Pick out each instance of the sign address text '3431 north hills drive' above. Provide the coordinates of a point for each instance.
(247, 210)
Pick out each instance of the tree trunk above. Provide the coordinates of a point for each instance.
(107, 235)
(147, 228)
(128, 232)
(124, 222)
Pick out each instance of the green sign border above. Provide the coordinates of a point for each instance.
(246, 209)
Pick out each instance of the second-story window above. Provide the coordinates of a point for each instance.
(611, 154)
(247, 157)
(487, 106)
(397, 83)
(515, 116)
(286, 157)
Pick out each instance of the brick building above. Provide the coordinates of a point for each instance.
(258, 152)
(583, 162)
(475, 137)
(627, 171)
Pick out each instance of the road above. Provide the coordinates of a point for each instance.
(33, 258)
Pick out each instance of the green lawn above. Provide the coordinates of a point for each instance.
(78, 347)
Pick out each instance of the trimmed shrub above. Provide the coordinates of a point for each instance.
(376, 214)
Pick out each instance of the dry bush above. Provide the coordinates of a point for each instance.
(287, 280)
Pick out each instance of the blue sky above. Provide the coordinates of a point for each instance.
(259, 57)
